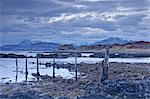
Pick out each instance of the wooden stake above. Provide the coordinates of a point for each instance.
(26, 69)
(38, 74)
(54, 66)
(105, 65)
(76, 70)
(16, 69)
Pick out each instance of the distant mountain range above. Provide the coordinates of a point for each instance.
(27, 45)
(111, 41)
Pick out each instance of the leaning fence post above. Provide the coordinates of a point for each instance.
(105, 65)
(76, 69)
(26, 69)
(16, 69)
(54, 65)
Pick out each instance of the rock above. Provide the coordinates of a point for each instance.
(20, 95)
(29, 95)
(64, 97)
(128, 88)
(3, 96)
(95, 97)
(46, 97)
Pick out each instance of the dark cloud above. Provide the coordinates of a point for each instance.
(135, 4)
(131, 20)
(74, 20)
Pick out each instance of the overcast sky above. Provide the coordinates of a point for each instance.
(74, 21)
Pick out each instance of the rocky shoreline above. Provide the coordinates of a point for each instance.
(111, 89)
(126, 81)
(67, 55)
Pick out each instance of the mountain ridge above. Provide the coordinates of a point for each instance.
(112, 41)
(26, 45)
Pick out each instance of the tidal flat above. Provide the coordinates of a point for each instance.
(126, 80)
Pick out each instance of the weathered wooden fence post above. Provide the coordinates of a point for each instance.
(26, 69)
(76, 69)
(38, 74)
(105, 65)
(54, 65)
(16, 69)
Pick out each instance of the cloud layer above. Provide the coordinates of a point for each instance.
(74, 21)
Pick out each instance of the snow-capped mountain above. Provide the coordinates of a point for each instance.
(111, 41)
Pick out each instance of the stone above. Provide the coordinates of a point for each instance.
(64, 97)
(94, 97)
(3, 96)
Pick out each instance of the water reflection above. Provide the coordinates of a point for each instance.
(8, 67)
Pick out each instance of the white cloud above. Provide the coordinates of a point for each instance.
(106, 16)
(96, 0)
(67, 17)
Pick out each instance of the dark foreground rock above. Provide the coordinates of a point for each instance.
(124, 89)
(95, 97)
(110, 89)
(20, 91)
(64, 97)
(27, 95)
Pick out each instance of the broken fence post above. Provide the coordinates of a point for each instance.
(105, 65)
